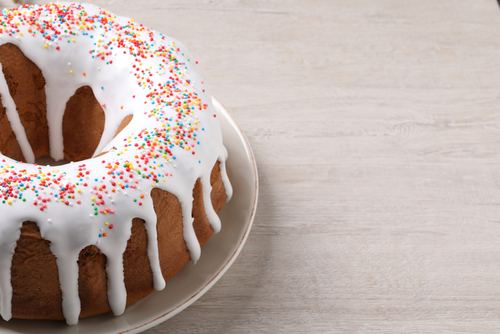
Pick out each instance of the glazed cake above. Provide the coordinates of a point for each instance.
(127, 106)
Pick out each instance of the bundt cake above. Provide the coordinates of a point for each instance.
(126, 105)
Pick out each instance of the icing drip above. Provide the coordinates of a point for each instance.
(225, 178)
(173, 140)
(10, 233)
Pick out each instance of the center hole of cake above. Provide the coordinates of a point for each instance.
(49, 161)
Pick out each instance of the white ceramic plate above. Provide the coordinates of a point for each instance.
(193, 280)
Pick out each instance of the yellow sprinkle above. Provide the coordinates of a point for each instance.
(79, 191)
(71, 72)
(92, 198)
(62, 200)
(164, 155)
(153, 185)
(106, 223)
(9, 201)
(73, 40)
(45, 46)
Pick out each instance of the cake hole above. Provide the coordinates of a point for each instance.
(49, 161)
(83, 120)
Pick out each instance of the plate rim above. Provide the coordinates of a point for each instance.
(158, 320)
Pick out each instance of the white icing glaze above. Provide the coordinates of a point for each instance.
(72, 223)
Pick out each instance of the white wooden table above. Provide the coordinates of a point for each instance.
(376, 129)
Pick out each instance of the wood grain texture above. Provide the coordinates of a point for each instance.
(376, 129)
